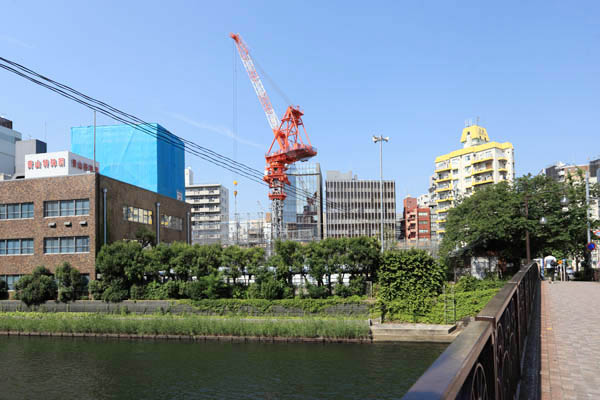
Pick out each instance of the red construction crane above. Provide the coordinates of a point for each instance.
(288, 135)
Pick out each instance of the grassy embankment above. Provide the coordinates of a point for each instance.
(188, 325)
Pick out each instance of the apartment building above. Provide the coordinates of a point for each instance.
(210, 212)
(417, 220)
(461, 172)
(354, 206)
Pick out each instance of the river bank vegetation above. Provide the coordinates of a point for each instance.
(188, 325)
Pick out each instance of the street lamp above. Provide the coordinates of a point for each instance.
(381, 139)
(564, 202)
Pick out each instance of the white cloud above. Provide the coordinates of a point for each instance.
(221, 130)
(15, 41)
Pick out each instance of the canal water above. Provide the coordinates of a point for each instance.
(87, 368)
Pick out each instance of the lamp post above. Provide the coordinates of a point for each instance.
(381, 139)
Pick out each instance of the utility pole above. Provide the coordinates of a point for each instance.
(381, 139)
(587, 204)
(94, 141)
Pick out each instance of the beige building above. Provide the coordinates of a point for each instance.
(461, 172)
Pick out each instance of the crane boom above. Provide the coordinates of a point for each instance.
(256, 82)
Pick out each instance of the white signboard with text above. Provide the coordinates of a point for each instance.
(57, 164)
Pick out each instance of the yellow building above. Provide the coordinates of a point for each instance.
(461, 172)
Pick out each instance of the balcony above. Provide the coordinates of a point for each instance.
(446, 168)
(482, 160)
(483, 181)
(448, 178)
(444, 189)
(482, 171)
(445, 200)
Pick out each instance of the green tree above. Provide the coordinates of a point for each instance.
(254, 258)
(233, 261)
(71, 283)
(146, 237)
(412, 276)
(184, 258)
(37, 288)
(363, 256)
(121, 265)
(209, 259)
(287, 260)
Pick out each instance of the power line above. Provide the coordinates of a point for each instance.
(142, 126)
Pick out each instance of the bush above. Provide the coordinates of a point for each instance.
(37, 288)
(412, 276)
(70, 283)
(342, 290)
(3, 290)
(115, 292)
(469, 283)
(317, 292)
(358, 285)
(137, 292)
(96, 288)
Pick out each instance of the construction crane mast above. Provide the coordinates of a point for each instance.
(288, 135)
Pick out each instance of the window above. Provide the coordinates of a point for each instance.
(66, 208)
(11, 247)
(135, 214)
(423, 231)
(171, 222)
(423, 222)
(11, 280)
(51, 209)
(82, 244)
(67, 245)
(82, 207)
(16, 211)
(51, 246)
(422, 214)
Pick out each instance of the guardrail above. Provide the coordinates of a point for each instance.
(485, 360)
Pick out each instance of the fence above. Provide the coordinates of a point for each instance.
(485, 360)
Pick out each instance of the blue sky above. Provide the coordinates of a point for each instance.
(414, 71)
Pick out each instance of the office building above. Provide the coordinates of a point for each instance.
(210, 211)
(461, 172)
(8, 140)
(354, 206)
(147, 156)
(303, 207)
(56, 214)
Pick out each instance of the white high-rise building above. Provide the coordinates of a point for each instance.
(461, 172)
(210, 211)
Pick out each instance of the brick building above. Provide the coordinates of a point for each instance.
(417, 220)
(49, 220)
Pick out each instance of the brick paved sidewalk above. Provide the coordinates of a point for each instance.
(570, 340)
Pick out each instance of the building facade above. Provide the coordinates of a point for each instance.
(210, 212)
(53, 219)
(303, 207)
(417, 220)
(354, 206)
(8, 140)
(461, 172)
(147, 156)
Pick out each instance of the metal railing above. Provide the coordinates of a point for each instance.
(485, 360)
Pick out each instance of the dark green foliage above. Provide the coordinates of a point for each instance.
(71, 284)
(96, 288)
(469, 283)
(137, 292)
(317, 292)
(37, 288)
(411, 276)
(145, 236)
(468, 303)
(3, 290)
(116, 291)
(493, 220)
(357, 285)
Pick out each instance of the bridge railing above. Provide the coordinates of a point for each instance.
(485, 360)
